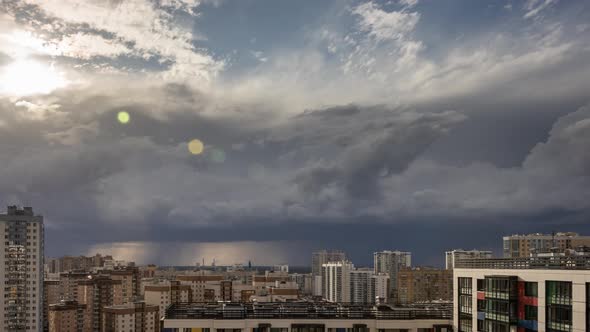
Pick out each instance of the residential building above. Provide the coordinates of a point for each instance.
(305, 317)
(391, 262)
(130, 281)
(362, 286)
(320, 258)
(21, 272)
(281, 268)
(424, 284)
(453, 255)
(524, 245)
(66, 316)
(51, 295)
(131, 317)
(202, 285)
(336, 281)
(69, 284)
(522, 294)
(381, 286)
(164, 294)
(98, 292)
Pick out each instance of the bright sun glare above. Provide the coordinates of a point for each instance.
(27, 77)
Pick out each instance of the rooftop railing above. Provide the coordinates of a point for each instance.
(541, 263)
(298, 310)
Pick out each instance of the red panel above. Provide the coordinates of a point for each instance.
(481, 295)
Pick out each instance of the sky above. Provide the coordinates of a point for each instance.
(172, 131)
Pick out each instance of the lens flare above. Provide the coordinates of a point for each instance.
(196, 147)
(123, 117)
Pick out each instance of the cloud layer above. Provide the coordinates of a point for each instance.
(355, 118)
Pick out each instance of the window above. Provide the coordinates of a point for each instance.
(530, 289)
(530, 312)
(559, 306)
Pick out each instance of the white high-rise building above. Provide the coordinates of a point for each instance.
(336, 281)
(457, 254)
(319, 258)
(21, 272)
(381, 286)
(362, 287)
(391, 262)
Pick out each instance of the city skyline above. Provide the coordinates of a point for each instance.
(272, 129)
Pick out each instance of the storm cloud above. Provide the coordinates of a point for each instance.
(364, 121)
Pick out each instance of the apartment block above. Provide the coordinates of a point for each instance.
(305, 317)
(202, 286)
(524, 245)
(391, 262)
(51, 295)
(98, 292)
(423, 284)
(21, 272)
(131, 317)
(452, 256)
(66, 316)
(336, 281)
(164, 294)
(522, 294)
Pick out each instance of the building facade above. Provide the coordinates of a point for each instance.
(131, 317)
(336, 281)
(97, 293)
(304, 317)
(424, 285)
(21, 275)
(548, 294)
(523, 245)
(362, 286)
(66, 316)
(164, 294)
(391, 262)
(457, 254)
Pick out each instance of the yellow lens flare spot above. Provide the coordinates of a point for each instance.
(196, 146)
(123, 117)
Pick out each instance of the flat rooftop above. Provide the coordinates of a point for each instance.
(305, 310)
(532, 263)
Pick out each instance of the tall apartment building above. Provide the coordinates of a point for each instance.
(452, 256)
(131, 317)
(66, 316)
(51, 295)
(130, 282)
(336, 281)
(522, 294)
(424, 284)
(362, 286)
(97, 293)
(21, 272)
(164, 294)
(381, 286)
(322, 257)
(524, 245)
(391, 262)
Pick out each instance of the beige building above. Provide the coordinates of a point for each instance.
(51, 295)
(524, 245)
(130, 282)
(424, 284)
(21, 270)
(66, 316)
(131, 317)
(96, 293)
(164, 294)
(201, 285)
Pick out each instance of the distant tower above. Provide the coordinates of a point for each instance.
(249, 265)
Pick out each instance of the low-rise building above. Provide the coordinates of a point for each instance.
(305, 317)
